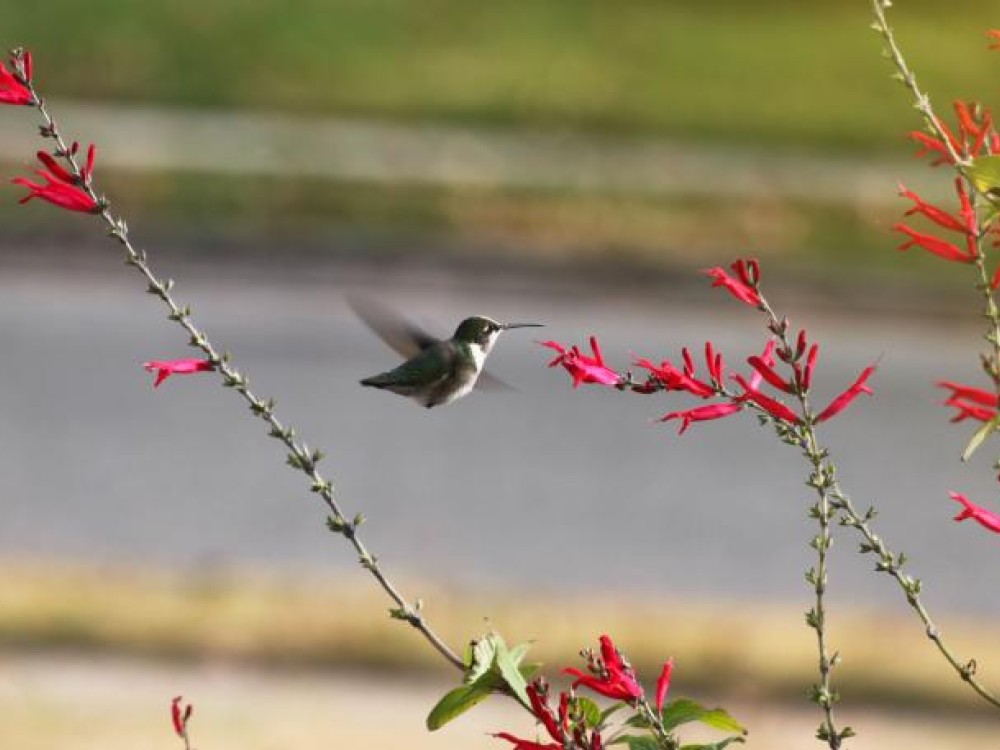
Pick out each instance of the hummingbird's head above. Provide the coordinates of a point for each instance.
(484, 331)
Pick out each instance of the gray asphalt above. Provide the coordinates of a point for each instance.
(550, 488)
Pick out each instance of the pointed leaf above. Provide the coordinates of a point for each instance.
(685, 710)
(981, 434)
(529, 670)
(483, 652)
(636, 742)
(606, 713)
(519, 651)
(985, 175)
(590, 711)
(456, 702)
(511, 674)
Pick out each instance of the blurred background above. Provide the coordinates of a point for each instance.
(573, 162)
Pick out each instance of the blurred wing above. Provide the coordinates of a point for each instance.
(406, 338)
(489, 382)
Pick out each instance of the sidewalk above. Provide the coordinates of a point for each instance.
(354, 149)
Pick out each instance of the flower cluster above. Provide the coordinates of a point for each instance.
(566, 726)
(970, 402)
(582, 368)
(62, 188)
(965, 223)
(976, 136)
(799, 357)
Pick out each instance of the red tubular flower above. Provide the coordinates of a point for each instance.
(615, 681)
(584, 369)
(744, 286)
(12, 89)
(970, 402)
(543, 712)
(772, 406)
(985, 518)
(701, 414)
(767, 372)
(165, 368)
(716, 365)
(842, 401)
(663, 683)
(805, 380)
(935, 245)
(938, 216)
(62, 188)
(520, 744)
(673, 379)
(180, 716)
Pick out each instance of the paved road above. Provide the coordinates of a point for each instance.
(547, 488)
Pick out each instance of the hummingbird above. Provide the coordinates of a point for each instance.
(436, 371)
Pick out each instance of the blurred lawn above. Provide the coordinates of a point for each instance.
(762, 651)
(770, 71)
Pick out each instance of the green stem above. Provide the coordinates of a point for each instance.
(299, 457)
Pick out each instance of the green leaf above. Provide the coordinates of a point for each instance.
(511, 674)
(519, 651)
(715, 745)
(685, 710)
(981, 434)
(985, 175)
(635, 742)
(482, 652)
(606, 713)
(590, 711)
(456, 702)
(528, 671)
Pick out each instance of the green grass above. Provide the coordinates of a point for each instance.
(771, 71)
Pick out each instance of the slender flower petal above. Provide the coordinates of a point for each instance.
(805, 382)
(12, 90)
(970, 402)
(772, 406)
(61, 188)
(985, 518)
(165, 368)
(935, 245)
(740, 289)
(701, 414)
(928, 145)
(584, 369)
(768, 373)
(842, 401)
(937, 215)
(663, 683)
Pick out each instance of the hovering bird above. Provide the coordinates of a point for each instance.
(436, 371)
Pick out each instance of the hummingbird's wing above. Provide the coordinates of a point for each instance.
(405, 338)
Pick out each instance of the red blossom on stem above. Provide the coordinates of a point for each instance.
(771, 405)
(62, 188)
(180, 716)
(584, 369)
(844, 400)
(13, 88)
(985, 518)
(663, 683)
(970, 402)
(613, 678)
(975, 133)
(744, 285)
(964, 223)
(702, 414)
(165, 368)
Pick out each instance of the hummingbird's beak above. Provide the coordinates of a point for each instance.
(508, 326)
